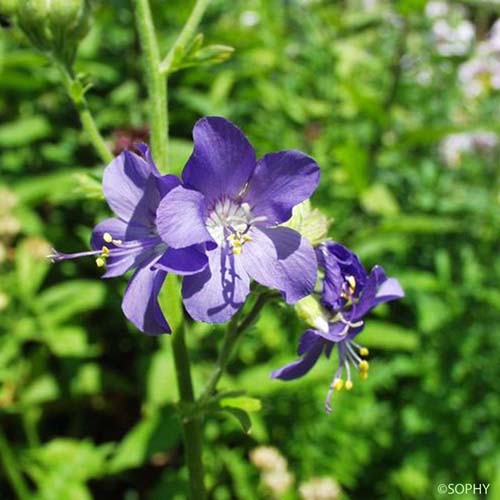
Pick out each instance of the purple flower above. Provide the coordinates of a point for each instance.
(233, 204)
(348, 295)
(133, 188)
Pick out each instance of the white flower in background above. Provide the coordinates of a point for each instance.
(268, 458)
(274, 467)
(481, 73)
(320, 488)
(370, 4)
(453, 40)
(435, 10)
(249, 18)
(454, 146)
(278, 482)
(478, 75)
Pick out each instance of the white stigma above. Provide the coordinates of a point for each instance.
(230, 221)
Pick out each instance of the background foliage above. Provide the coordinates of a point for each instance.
(86, 401)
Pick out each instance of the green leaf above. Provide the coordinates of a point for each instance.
(24, 131)
(42, 390)
(241, 416)
(69, 341)
(379, 334)
(63, 301)
(245, 403)
(156, 433)
(31, 267)
(61, 467)
(378, 200)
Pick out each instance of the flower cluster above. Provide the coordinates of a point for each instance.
(452, 33)
(219, 226)
(481, 73)
(454, 146)
(228, 221)
(347, 294)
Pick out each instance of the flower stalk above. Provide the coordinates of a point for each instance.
(233, 333)
(192, 424)
(186, 34)
(156, 83)
(76, 93)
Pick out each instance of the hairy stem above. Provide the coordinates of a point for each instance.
(77, 95)
(233, 333)
(191, 425)
(186, 34)
(11, 469)
(156, 83)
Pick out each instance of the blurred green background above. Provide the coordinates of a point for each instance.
(385, 97)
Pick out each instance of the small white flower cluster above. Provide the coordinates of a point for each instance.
(320, 488)
(452, 33)
(274, 469)
(481, 73)
(454, 146)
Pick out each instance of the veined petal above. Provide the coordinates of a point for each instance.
(216, 293)
(281, 258)
(306, 342)
(140, 302)
(124, 182)
(333, 280)
(222, 160)
(281, 181)
(378, 289)
(181, 218)
(300, 367)
(183, 261)
(145, 152)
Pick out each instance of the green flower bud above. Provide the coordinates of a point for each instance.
(32, 15)
(309, 310)
(309, 222)
(55, 26)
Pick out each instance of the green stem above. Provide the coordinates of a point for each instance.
(77, 95)
(191, 425)
(156, 83)
(11, 469)
(233, 333)
(185, 35)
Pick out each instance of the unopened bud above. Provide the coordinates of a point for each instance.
(309, 222)
(309, 309)
(55, 26)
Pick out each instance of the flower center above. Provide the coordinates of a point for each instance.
(229, 221)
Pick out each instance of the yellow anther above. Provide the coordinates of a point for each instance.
(107, 237)
(348, 385)
(363, 375)
(352, 282)
(117, 242)
(231, 237)
(364, 366)
(247, 238)
(100, 262)
(105, 251)
(364, 351)
(338, 384)
(237, 250)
